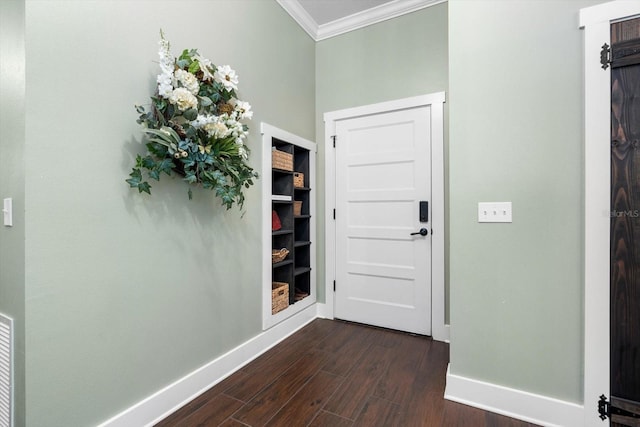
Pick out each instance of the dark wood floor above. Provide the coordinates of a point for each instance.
(338, 374)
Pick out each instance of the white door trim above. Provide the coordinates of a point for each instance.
(596, 21)
(439, 330)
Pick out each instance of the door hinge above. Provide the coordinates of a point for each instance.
(334, 214)
(334, 286)
(606, 409)
(334, 137)
(605, 56)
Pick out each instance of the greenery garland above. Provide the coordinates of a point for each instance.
(194, 128)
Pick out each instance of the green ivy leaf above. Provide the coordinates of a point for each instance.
(190, 177)
(148, 162)
(166, 166)
(205, 101)
(190, 114)
(144, 187)
(136, 177)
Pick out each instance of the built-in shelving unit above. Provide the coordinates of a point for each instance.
(289, 192)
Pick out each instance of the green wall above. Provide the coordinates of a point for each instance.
(123, 294)
(126, 293)
(12, 141)
(516, 135)
(398, 58)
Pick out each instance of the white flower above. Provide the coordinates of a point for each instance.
(205, 67)
(242, 109)
(165, 78)
(165, 86)
(187, 80)
(184, 99)
(166, 59)
(202, 120)
(225, 75)
(243, 152)
(217, 130)
(213, 125)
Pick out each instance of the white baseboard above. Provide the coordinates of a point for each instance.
(166, 401)
(441, 334)
(323, 311)
(513, 403)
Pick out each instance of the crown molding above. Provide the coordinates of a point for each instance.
(372, 16)
(367, 17)
(301, 16)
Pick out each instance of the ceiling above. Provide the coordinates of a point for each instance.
(322, 19)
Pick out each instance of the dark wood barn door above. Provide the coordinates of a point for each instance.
(625, 222)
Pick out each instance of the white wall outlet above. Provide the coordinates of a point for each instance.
(7, 211)
(494, 212)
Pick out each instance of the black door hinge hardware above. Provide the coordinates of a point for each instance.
(606, 409)
(334, 137)
(334, 286)
(334, 214)
(605, 56)
(620, 55)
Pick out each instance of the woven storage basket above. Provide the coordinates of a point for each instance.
(279, 296)
(298, 179)
(281, 160)
(297, 208)
(278, 255)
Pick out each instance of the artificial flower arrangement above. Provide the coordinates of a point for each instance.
(194, 128)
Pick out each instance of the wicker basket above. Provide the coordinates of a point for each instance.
(297, 208)
(281, 160)
(278, 255)
(279, 296)
(298, 179)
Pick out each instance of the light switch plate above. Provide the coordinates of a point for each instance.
(494, 212)
(7, 212)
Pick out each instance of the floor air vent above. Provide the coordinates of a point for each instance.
(6, 371)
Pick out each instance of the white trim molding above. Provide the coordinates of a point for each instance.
(439, 330)
(164, 402)
(367, 17)
(529, 407)
(596, 21)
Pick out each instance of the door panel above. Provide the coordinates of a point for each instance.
(625, 222)
(383, 273)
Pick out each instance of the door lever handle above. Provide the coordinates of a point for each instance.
(422, 232)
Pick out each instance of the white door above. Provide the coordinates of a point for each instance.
(383, 271)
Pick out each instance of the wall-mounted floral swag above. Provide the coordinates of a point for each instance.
(194, 128)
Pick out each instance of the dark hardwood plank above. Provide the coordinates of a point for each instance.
(216, 411)
(268, 401)
(379, 412)
(266, 368)
(424, 409)
(497, 420)
(351, 397)
(327, 419)
(196, 404)
(345, 347)
(459, 415)
(395, 385)
(230, 423)
(304, 406)
(424, 405)
(338, 374)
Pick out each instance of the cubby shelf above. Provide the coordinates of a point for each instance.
(297, 232)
